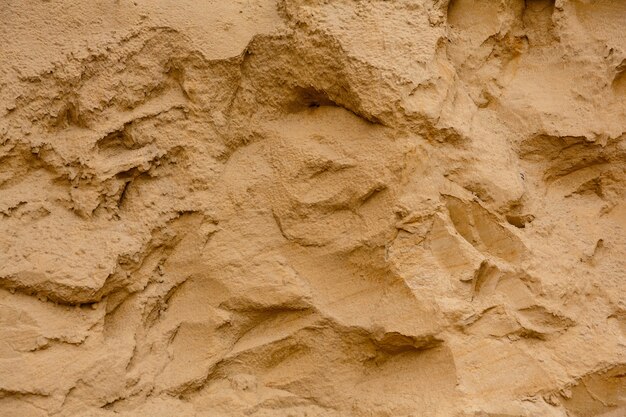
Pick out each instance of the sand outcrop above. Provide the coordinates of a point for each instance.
(313, 208)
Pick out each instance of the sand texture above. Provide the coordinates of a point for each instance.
(320, 208)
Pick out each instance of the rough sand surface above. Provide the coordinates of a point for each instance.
(313, 208)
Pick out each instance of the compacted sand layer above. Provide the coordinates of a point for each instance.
(222, 208)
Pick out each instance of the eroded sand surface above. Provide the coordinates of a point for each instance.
(313, 208)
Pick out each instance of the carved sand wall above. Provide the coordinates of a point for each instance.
(313, 208)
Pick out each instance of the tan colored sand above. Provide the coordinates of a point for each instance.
(313, 208)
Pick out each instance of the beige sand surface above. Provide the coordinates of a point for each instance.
(223, 208)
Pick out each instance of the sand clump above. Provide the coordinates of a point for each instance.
(313, 208)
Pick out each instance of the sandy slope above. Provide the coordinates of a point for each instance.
(313, 208)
